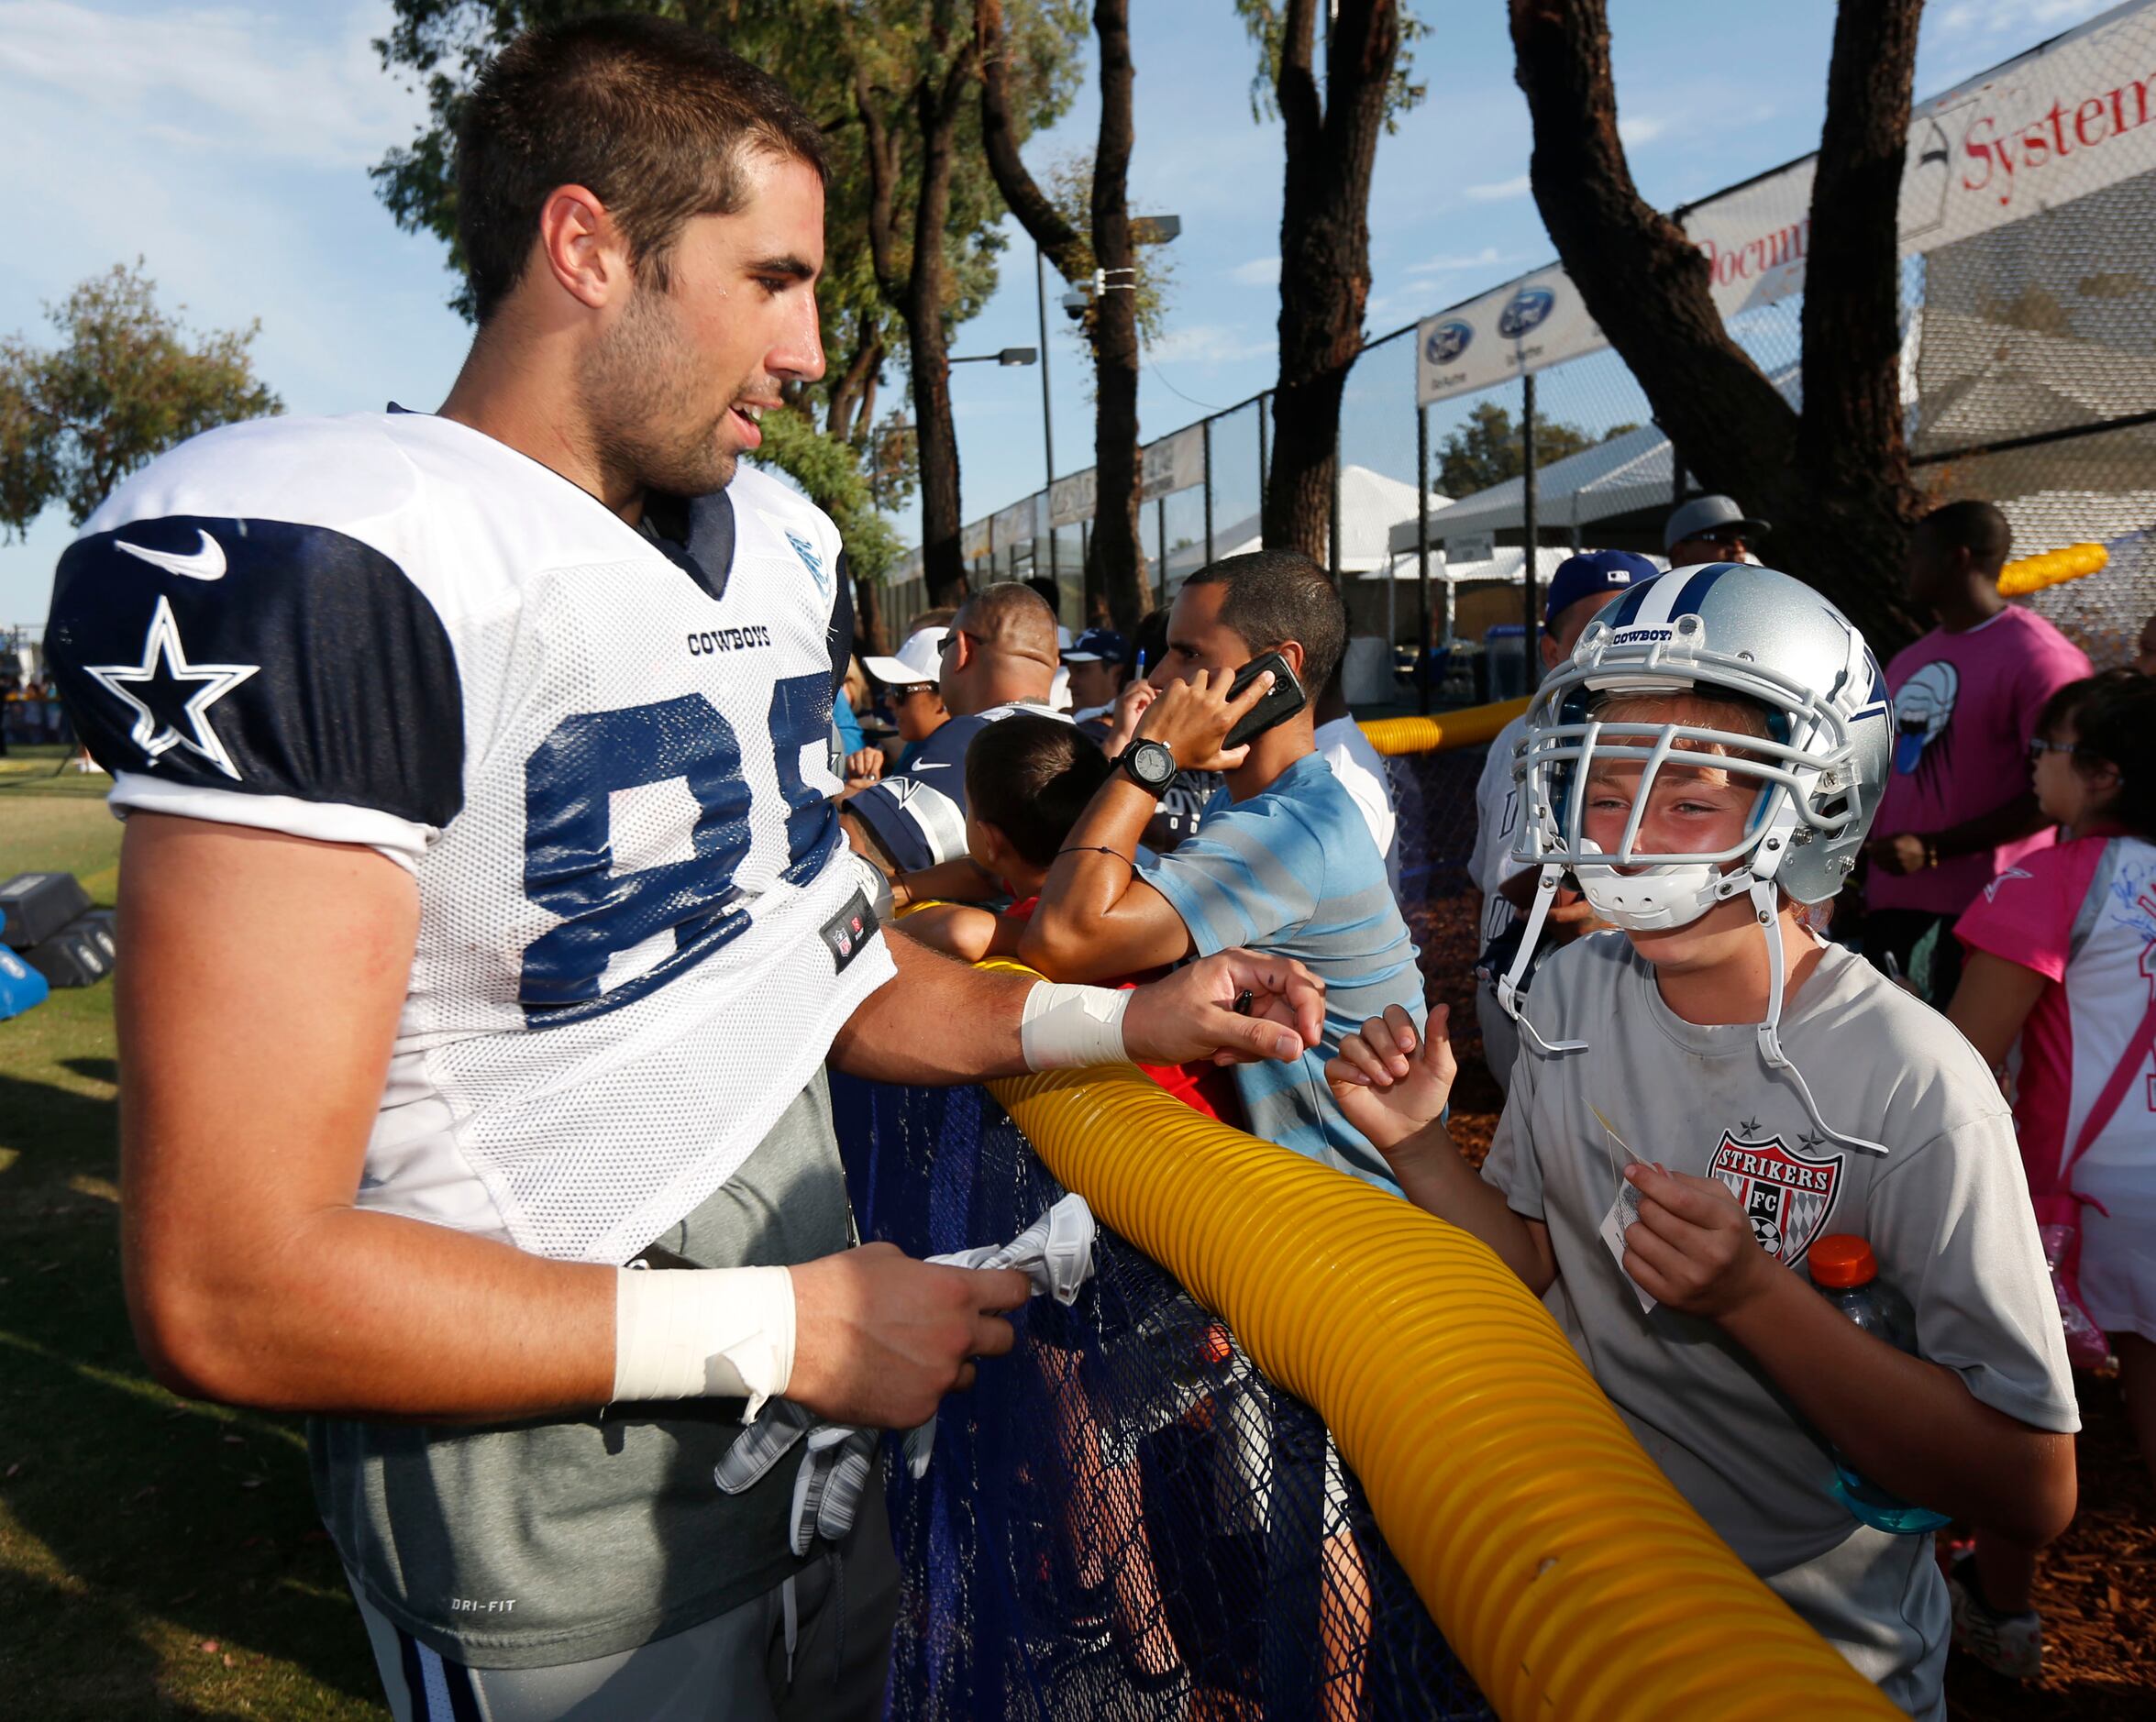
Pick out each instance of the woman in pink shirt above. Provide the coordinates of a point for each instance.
(2060, 987)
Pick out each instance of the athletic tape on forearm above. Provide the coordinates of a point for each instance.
(1066, 1026)
(703, 1333)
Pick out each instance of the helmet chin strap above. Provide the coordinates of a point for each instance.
(1765, 903)
(1545, 894)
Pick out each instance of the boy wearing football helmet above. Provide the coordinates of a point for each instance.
(1710, 1089)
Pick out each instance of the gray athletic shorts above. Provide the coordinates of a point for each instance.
(733, 1667)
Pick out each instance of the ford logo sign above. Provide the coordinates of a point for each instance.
(1530, 308)
(1447, 341)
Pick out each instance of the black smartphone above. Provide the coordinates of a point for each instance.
(1282, 701)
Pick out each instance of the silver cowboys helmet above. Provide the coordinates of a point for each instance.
(1723, 629)
(1720, 630)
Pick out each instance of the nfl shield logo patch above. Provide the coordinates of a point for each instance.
(1787, 1195)
(808, 554)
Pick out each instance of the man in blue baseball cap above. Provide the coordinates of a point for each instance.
(1095, 661)
(1580, 587)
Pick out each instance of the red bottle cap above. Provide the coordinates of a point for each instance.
(1842, 1260)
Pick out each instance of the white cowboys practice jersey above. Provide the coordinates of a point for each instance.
(639, 925)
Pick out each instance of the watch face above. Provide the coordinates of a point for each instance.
(1152, 764)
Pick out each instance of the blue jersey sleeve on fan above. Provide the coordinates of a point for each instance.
(262, 656)
(920, 817)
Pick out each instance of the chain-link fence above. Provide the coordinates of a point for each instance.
(2029, 309)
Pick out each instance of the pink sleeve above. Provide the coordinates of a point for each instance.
(2025, 915)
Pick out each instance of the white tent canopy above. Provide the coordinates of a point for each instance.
(1630, 473)
(1373, 508)
(1507, 564)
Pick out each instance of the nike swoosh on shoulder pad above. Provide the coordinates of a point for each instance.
(206, 564)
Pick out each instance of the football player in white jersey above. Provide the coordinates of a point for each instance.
(482, 950)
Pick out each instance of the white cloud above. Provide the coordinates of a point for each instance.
(1260, 271)
(1644, 128)
(1500, 191)
(1446, 264)
(2031, 18)
(1208, 344)
(224, 80)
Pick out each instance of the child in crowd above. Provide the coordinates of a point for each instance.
(2060, 987)
(1710, 1089)
(1027, 781)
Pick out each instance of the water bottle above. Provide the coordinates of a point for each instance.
(1845, 1274)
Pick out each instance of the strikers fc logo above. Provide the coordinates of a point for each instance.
(1787, 1195)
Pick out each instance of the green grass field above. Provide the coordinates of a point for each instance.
(157, 1558)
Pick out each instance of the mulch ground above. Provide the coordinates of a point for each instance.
(2097, 1590)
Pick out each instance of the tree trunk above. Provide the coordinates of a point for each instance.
(1647, 286)
(1118, 556)
(1324, 251)
(869, 639)
(943, 564)
(853, 398)
(918, 293)
(1851, 443)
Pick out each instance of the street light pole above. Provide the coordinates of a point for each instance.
(1047, 421)
(1047, 418)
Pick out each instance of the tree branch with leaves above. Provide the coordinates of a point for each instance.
(1331, 137)
(126, 382)
(1832, 476)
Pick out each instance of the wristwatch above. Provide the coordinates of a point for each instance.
(1150, 766)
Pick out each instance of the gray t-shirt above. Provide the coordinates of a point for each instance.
(1945, 1211)
(533, 1544)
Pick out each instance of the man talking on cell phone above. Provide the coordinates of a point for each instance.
(487, 927)
(1282, 861)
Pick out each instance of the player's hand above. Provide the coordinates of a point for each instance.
(1692, 1246)
(881, 1338)
(1130, 706)
(1191, 1013)
(1388, 1081)
(1904, 852)
(1191, 719)
(864, 769)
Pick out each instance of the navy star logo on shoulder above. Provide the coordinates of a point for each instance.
(171, 697)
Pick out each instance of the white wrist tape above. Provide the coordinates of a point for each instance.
(875, 883)
(703, 1333)
(1064, 1026)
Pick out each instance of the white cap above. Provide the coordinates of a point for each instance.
(920, 660)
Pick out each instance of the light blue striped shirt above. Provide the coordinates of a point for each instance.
(1293, 871)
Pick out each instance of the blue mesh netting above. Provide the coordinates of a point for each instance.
(1433, 799)
(1123, 1519)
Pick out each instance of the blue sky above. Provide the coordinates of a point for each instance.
(228, 146)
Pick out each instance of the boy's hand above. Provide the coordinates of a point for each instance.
(864, 769)
(1388, 1081)
(1130, 706)
(1191, 719)
(1693, 1246)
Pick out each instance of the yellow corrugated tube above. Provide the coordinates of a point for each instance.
(2032, 573)
(1467, 728)
(1569, 1576)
